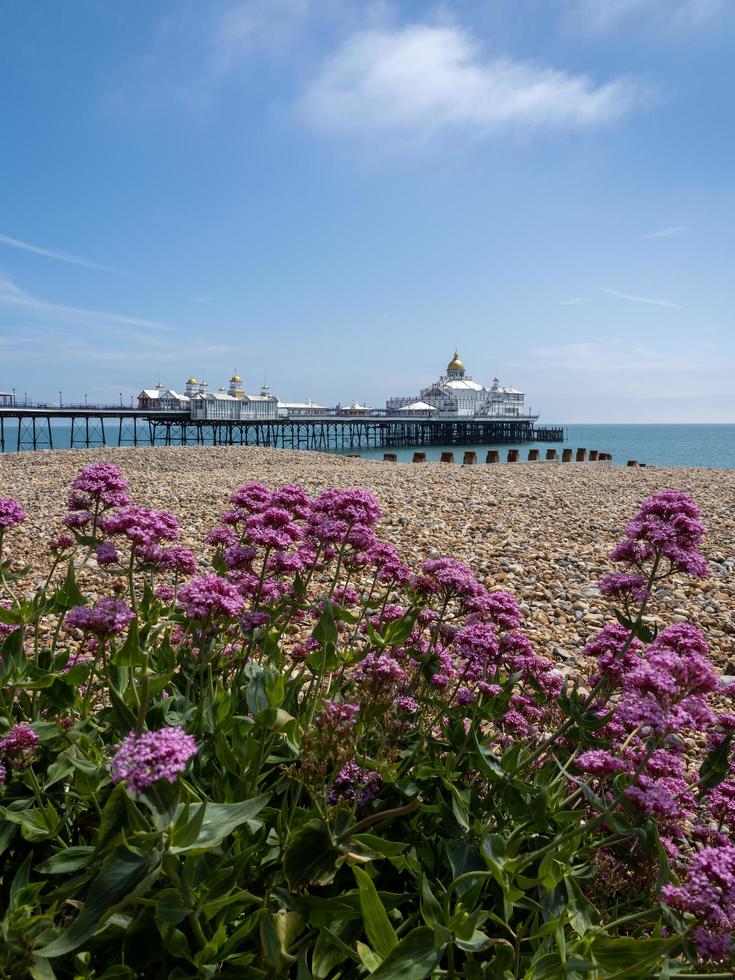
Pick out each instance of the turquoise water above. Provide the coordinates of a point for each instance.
(655, 445)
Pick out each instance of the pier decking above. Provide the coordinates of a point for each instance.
(92, 427)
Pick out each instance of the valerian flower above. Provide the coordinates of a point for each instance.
(209, 597)
(668, 525)
(11, 512)
(141, 760)
(106, 618)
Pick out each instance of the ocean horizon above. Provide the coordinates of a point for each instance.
(710, 445)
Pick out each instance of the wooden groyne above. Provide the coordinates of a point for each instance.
(514, 456)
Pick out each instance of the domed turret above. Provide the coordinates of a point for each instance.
(455, 368)
(236, 388)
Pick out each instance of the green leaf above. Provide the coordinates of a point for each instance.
(310, 856)
(378, 928)
(256, 697)
(414, 958)
(36, 824)
(130, 653)
(325, 630)
(624, 953)
(66, 861)
(274, 719)
(69, 595)
(170, 907)
(11, 616)
(41, 969)
(370, 960)
(431, 910)
(716, 765)
(117, 877)
(186, 827)
(388, 848)
(113, 816)
(125, 717)
(220, 820)
(460, 804)
(397, 632)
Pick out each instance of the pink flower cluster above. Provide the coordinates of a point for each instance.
(103, 483)
(210, 597)
(709, 895)
(353, 782)
(668, 526)
(11, 513)
(142, 526)
(106, 618)
(337, 715)
(17, 748)
(141, 760)
(660, 692)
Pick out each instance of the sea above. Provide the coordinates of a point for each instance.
(655, 445)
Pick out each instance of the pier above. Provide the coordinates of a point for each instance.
(91, 427)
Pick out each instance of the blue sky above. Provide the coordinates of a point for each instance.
(330, 195)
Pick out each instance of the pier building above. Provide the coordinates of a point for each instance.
(456, 395)
(162, 399)
(226, 404)
(308, 407)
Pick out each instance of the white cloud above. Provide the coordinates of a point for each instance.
(257, 24)
(666, 232)
(49, 254)
(420, 80)
(603, 16)
(13, 295)
(640, 299)
(615, 358)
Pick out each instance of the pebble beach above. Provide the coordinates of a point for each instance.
(542, 531)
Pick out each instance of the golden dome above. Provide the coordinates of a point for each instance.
(236, 379)
(192, 381)
(455, 364)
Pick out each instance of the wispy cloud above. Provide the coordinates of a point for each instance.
(573, 301)
(666, 232)
(13, 295)
(418, 81)
(604, 16)
(59, 256)
(615, 358)
(256, 24)
(640, 299)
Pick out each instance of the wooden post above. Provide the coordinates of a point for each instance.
(493, 456)
(594, 455)
(551, 454)
(532, 455)
(581, 453)
(419, 458)
(632, 462)
(566, 455)
(390, 457)
(447, 458)
(513, 455)
(469, 459)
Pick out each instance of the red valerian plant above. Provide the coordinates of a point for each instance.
(305, 759)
